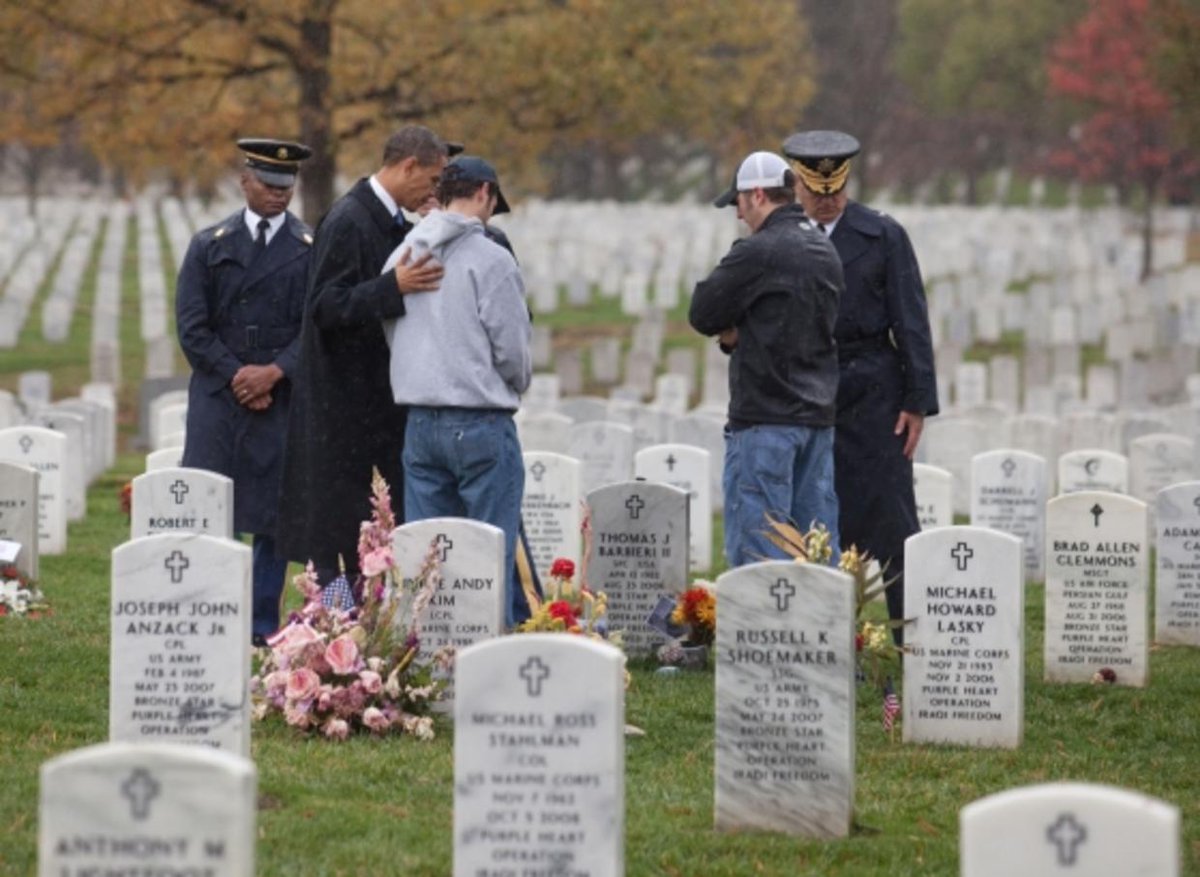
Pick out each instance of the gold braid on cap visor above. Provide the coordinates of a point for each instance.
(828, 179)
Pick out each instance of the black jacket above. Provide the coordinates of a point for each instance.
(233, 309)
(780, 289)
(344, 420)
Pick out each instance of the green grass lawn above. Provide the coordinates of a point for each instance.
(385, 806)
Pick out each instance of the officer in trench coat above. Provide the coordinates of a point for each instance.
(886, 380)
(239, 304)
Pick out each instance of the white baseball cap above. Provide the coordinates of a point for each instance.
(758, 170)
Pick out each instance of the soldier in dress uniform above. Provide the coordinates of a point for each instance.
(239, 303)
(887, 385)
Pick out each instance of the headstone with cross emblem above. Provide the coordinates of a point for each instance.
(1177, 579)
(147, 808)
(19, 514)
(934, 490)
(687, 468)
(35, 389)
(44, 450)
(701, 430)
(1093, 469)
(176, 500)
(639, 553)
(469, 604)
(785, 699)
(551, 508)
(1008, 493)
(964, 667)
(1077, 829)
(544, 431)
(1097, 587)
(539, 756)
(180, 654)
(606, 451)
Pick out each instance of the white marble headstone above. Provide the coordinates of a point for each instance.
(19, 513)
(175, 499)
(687, 468)
(147, 808)
(606, 451)
(1097, 582)
(44, 450)
(1177, 582)
(964, 674)
(179, 668)
(706, 431)
(1008, 493)
(171, 420)
(539, 757)
(639, 553)
(951, 443)
(164, 458)
(544, 431)
(1079, 829)
(1093, 469)
(1156, 461)
(785, 700)
(551, 508)
(75, 465)
(468, 605)
(934, 490)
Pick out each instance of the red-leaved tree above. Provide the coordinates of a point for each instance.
(1104, 65)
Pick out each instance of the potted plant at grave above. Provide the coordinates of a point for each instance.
(878, 654)
(334, 671)
(20, 596)
(696, 612)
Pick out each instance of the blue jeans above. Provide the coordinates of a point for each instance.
(268, 573)
(784, 470)
(466, 463)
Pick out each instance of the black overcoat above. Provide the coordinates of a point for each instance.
(886, 365)
(232, 309)
(343, 419)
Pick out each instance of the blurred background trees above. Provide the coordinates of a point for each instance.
(604, 98)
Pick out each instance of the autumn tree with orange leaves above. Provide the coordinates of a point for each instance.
(168, 86)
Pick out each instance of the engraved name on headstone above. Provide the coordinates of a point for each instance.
(1177, 583)
(551, 508)
(1008, 493)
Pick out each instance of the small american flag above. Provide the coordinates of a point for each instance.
(891, 705)
(337, 595)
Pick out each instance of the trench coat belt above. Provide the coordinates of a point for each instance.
(238, 338)
(867, 344)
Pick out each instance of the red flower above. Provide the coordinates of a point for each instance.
(127, 498)
(858, 642)
(562, 609)
(562, 568)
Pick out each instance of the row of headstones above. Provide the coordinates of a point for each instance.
(539, 760)
(1152, 459)
(45, 471)
(31, 255)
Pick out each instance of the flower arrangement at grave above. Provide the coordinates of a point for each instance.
(337, 671)
(125, 498)
(695, 613)
(19, 596)
(878, 654)
(570, 608)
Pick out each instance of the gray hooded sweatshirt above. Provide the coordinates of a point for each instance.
(466, 345)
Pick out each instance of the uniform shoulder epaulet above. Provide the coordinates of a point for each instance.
(300, 229)
(220, 231)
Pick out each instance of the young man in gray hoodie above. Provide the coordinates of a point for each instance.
(460, 360)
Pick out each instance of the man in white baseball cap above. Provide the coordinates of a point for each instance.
(772, 303)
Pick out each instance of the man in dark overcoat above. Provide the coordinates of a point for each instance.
(887, 385)
(343, 421)
(238, 306)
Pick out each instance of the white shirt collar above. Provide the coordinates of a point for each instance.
(830, 226)
(252, 219)
(382, 194)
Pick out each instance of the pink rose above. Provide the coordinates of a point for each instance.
(296, 714)
(374, 719)
(377, 561)
(294, 638)
(302, 684)
(372, 682)
(342, 655)
(337, 729)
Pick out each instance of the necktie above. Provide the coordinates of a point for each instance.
(401, 222)
(821, 227)
(260, 242)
